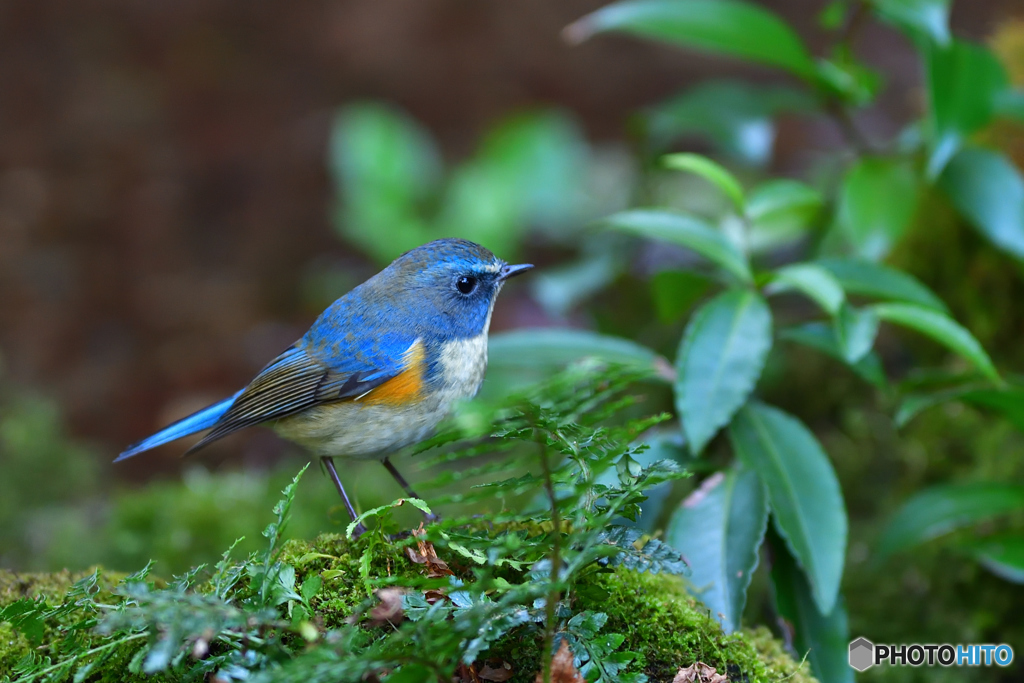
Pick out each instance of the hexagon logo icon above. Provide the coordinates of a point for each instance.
(862, 654)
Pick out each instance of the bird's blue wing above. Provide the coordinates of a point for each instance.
(295, 381)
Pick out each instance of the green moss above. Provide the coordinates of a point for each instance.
(660, 621)
(672, 630)
(53, 587)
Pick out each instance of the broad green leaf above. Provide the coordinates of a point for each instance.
(529, 171)
(782, 197)
(939, 510)
(928, 17)
(548, 348)
(964, 82)
(779, 212)
(720, 359)
(711, 171)
(736, 116)
(806, 502)
(543, 155)
(942, 329)
(914, 404)
(988, 190)
(688, 231)
(731, 27)
(849, 80)
(813, 281)
(719, 529)
(823, 638)
(385, 165)
(877, 202)
(1002, 554)
(859, 276)
(1007, 402)
(856, 330)
(822, 337)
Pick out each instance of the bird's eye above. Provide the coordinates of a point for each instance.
(466, 284)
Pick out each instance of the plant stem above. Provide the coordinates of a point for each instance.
(556, 559)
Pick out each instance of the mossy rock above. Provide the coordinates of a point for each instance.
(658, 618)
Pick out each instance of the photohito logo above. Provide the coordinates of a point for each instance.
(864, 654)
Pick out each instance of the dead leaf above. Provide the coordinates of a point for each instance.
(466, 674)
(389, 610)
(699, 672)
(425, 554)
(433, 595)
(562, 668)
(496, 670)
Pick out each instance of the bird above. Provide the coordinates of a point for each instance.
(378, 370)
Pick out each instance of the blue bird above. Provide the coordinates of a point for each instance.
(378, 369)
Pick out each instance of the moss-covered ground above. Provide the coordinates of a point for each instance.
(660, 621)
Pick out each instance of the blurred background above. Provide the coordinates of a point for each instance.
(185, 186)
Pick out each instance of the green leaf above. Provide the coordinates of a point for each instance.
(782, 197)
(877, 202)
(385, 165)
(928, 17)
(942, 329)
(1002, 400)
(939, 510)
(529, 171)
(688, 231)
(720, 359)
(807, 504)
(833, 15)
(712, 171)
(736, 116)
(848, 80)
(988, 190)
(730, 27)
(856, 330)
(813, 281)
(1007, 402)
(547, 347)
(719, 527)
(964, 82)
(822, 337)
(1002, 554)
(311, 586)
(780, 212)
(823, 638)
(859, 276)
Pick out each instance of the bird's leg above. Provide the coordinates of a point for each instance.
(360, 529)
(405, 485)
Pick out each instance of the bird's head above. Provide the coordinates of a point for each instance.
(456, 281)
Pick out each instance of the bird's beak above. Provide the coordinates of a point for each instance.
(512, 271)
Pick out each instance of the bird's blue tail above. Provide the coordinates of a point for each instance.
(196, 422)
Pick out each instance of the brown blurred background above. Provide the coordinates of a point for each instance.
(163, 189)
